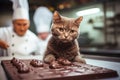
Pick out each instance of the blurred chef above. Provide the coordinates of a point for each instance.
(17, 39)
(42, 19)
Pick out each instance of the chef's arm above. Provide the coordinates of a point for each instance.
(3, 44)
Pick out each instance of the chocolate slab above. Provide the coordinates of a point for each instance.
(76, 71)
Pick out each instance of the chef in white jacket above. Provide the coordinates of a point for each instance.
(42, 19)
(17, 40)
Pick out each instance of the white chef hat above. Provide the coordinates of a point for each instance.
(20, 9)
(42, 19)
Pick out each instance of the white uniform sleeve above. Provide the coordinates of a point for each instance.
(5, 33)
(3, 36)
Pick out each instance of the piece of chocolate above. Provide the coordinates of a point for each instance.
(36, 63)
(23, 68)
(64, 61)
(55, 65)
(15, 61)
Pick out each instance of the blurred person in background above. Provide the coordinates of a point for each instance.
(17, 40)
(42, 19)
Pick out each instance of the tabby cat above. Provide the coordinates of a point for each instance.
(63, 42)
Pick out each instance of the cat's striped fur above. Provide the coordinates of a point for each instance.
(63, 42)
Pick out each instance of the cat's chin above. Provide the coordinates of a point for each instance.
(65, 41)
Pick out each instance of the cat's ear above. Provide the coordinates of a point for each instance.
(56, 17)
(78, 20)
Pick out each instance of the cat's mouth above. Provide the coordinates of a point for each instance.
(65, 40)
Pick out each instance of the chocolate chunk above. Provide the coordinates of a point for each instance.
(15, 61)
(64, 61)
(36, 63)
(23, 68)
(54, 65)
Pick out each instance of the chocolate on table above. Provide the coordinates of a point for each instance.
(36, 63)
(55, 65)
(21, 66)
(15, 61)
(64, 61)
(76, 71)
(59, 63)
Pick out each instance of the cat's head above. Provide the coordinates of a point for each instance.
(65, 29)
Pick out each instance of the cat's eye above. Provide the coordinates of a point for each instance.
(61, 29)
(72, 31)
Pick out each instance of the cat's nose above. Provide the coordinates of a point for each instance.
(65, 35)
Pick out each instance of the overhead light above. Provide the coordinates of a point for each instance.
(88, 12)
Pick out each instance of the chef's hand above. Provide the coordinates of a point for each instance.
(3, 44)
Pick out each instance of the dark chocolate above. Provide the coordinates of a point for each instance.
(64, 61)
(36, 63)
(55, 65)
(15, 61)
(21, 66)
(75, 71)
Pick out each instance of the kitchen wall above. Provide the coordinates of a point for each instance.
(86, 26)
(93, 24)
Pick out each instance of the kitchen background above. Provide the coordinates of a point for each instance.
(99, 30)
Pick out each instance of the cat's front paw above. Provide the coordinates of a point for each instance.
(49, 58)
(80, 59)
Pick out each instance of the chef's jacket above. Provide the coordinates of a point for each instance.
(19, 45)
